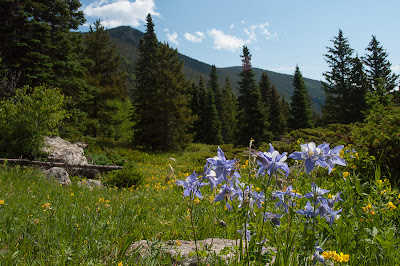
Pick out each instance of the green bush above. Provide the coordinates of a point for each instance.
(127, 177)
(27, 118)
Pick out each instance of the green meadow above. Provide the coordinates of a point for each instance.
(44, 223)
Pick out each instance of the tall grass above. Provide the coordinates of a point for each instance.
(45, 224)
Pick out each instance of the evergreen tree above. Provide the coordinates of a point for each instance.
(193, 94)
(36, 43)
(173, 101)
(214, 86)
(378, 66)
(359, 88)
(285, 111)
(252, 122)
(227, 116)
(265, 90)
(208, 126)
(337, 87)
(276, 115)
(161, 98)
(300, 107)
(145, 93)
(106, 80)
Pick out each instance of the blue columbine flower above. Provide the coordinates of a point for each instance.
(245, 233)
(311, 155)
(333, 157)
(308, 211)
(211, 176)
(317, 255)
(274, 218)
(316, 192)
(284, 198)
(257, 198)
(191, 186)
(333, 215)
(270, 162)
(221, 166)
(225, 191)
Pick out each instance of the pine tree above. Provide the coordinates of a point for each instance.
(265, 86)
(208, 126)
(107, 81)
(228, 112)
(285, 111)
(161, 98)
(193, 94)
(359, 88)
(337, 87)
(378, 66)
(36, 43)
(214, 86)
(145, 93)
(276, 115)
(300, 107)
(252, 122)
(173, 101)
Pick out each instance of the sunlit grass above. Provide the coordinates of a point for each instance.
(46, 224)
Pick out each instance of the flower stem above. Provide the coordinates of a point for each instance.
(194, 233)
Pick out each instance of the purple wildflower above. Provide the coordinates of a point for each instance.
(333, 157)
(191, 186)
(311, 155)
(270, 162)
(221, 166)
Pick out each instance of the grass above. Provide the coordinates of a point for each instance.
(45, 224)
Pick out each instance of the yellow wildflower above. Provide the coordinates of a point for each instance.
(120, 263)
(196, 201)
(346, 174)
(345, 257)
(2, 201)
(46, 206)
(391, 206)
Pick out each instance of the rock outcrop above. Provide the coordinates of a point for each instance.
(60, 175)
(224, 248)
(60, 150)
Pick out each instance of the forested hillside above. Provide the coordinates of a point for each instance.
(127, 41)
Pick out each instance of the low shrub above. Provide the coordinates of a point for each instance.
(129, 176)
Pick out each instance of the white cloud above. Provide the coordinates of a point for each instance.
(262, 28)
(396, 68)
(224, 41)
(173, 38)
(115, 13)
(232, 26)
(197, 37)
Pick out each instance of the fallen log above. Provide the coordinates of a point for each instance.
(101, 168)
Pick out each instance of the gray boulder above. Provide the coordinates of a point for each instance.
(90, 183)
(60, 150)
(183, 249)
(58, 174)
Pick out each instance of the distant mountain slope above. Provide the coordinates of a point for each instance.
(127, 41)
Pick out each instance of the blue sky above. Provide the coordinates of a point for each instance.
(280, 34)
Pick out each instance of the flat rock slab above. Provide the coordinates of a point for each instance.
(185, 249)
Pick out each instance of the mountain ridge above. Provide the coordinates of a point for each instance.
(127, 40)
